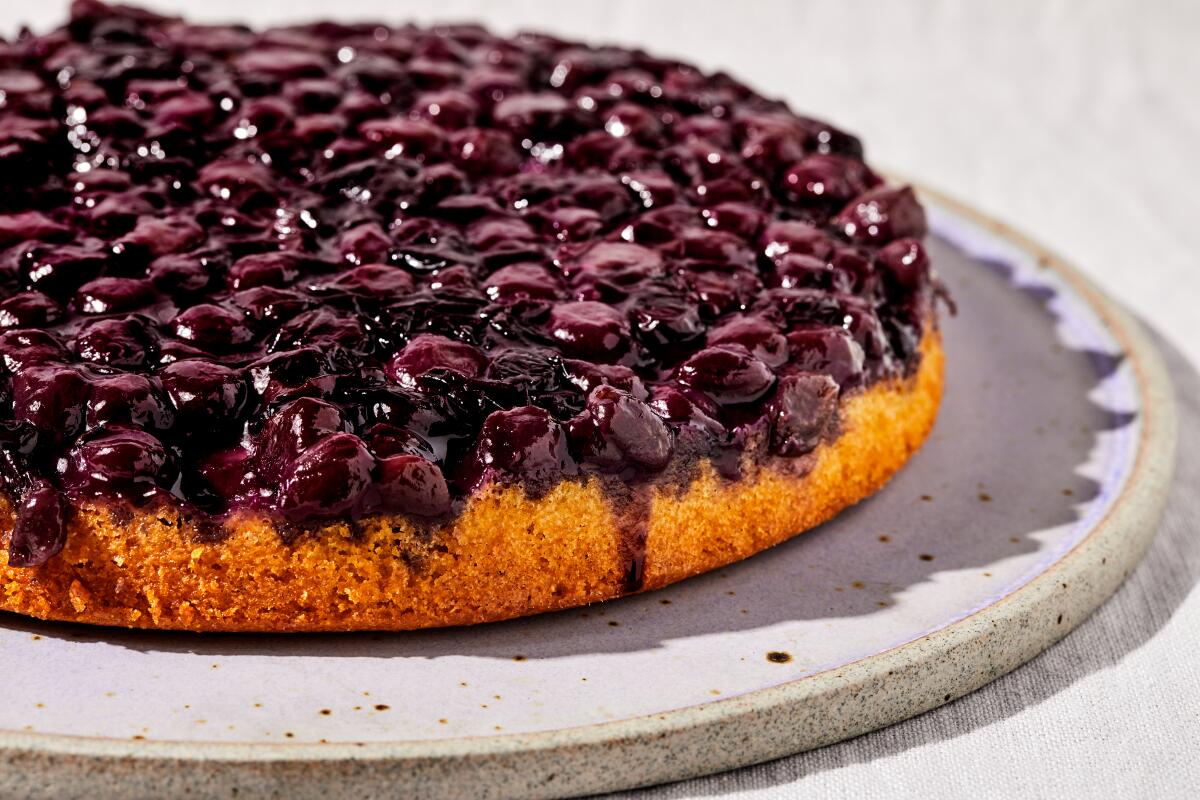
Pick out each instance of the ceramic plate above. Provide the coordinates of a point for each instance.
(1036, 494)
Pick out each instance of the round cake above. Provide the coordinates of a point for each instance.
(346, 326)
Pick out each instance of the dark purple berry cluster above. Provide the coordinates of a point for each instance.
(333, 270)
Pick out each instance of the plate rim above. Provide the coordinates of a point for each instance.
(685, 742)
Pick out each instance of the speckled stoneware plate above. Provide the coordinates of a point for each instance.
(1037, 493)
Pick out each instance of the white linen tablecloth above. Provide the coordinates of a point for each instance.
(1078, 123)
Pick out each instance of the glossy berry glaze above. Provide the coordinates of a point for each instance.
(335, 270)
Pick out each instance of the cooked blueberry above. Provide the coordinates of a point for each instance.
(51, 399)
(265, 303)
(177, 274)
(212, 328)
(832, 351)
(728, 373)
(126, 343)
(521, 280)
(60, 270)
(666, 319)
(405, 138)
(536, 114)
(386, 440)
(227, 473)
(797, 271)
(112, 295)
(523, 443)
(618, 263)
(265, 269)
(483, 152)
(154, 237)
(304, 370)
(293, 429)
(881, 215)
(618, 430)
(789, 236)
(801, 413)
(324, 328)
(588, 376)
(906, 262)
(21, 348)
(40, 530)
(430, 351)
(204, 393)
(29, 310)
(329, 479)
(826, 180)
(127, 463)
(364, 244)
(740, 219)
(30, 226)
(449, 110)
(129, 399)
(756, 334)
(374, 281)
(412, 485)
(590, 330)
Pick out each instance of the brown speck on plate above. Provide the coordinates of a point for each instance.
(518, 658)
(665, 601)
(925, 557)
(984, 497)
(612, 623)
(382, 707)
(858, 585)
(325, 712)
(928, 498)
(779, 657)
(884, 538)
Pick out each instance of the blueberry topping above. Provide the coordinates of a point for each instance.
(590, 330)
(727, 373)
(330, 479)
(129, 399)
(130, 464)
(801, 412)
(430, 351)
(335, 270)
(51, 399)
(523, 443)
(618, 430)
(412, 485)
(41, 528)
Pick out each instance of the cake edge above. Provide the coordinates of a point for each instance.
(507, 555)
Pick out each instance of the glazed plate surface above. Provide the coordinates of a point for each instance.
(1037, 492)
